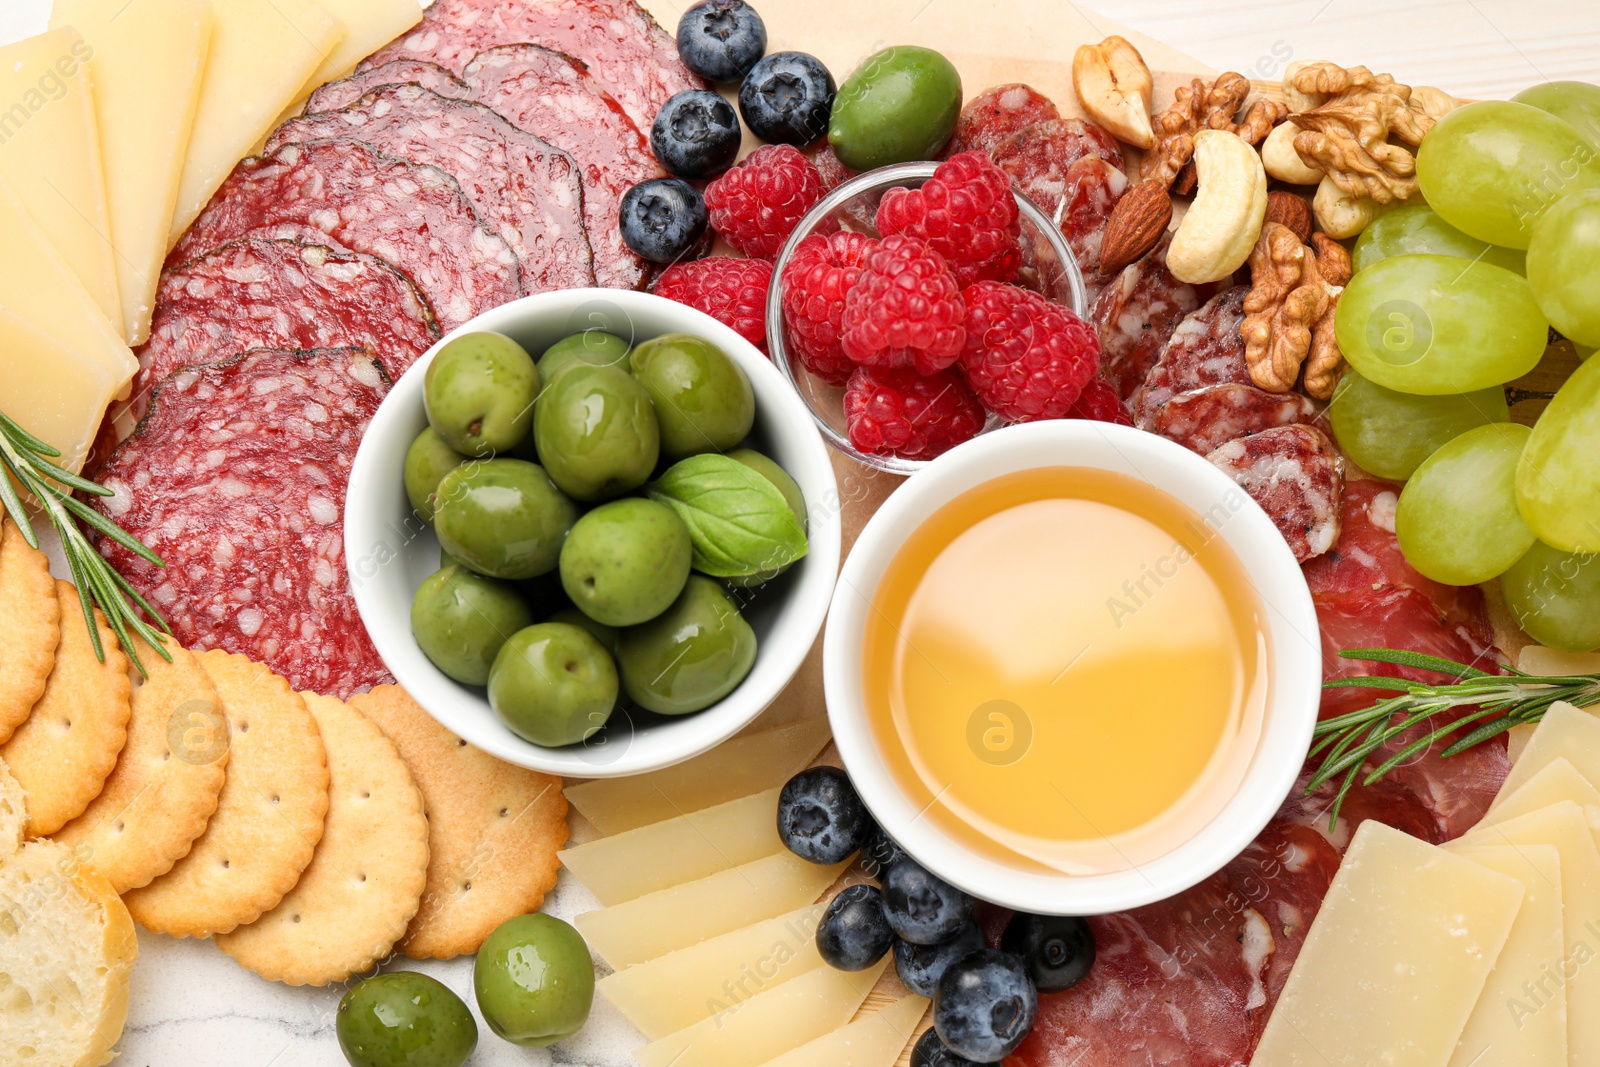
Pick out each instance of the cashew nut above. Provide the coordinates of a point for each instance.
(1282, 161)
(1341, 215)
(1113, 85)
(1297, 100)
(1216, 236)
(1433, 102)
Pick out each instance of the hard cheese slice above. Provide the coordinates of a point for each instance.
(1558, 780)
(148, 58)
(767, 1024)
(669, 853)
(53, 392)
(50, 153)
(670, 919)
(368, 26)
(262, 52)
(679, 989)
(1564, 733)
(1521, 1018)
(737, 768)
(1548, 663)
(1395, 960)
(871, 1041)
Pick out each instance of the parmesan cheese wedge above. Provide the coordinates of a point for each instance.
(871, 1041)
(1565, 732)
(368, 25)
(1396, 959)
(1548, 663)
(55, 393)
(1558, 780)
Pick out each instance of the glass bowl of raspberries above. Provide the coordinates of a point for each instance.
(919, 305)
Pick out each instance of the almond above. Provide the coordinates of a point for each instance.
(1136, 224)
(1290, 210)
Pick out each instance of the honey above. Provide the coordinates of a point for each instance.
(1066, 669)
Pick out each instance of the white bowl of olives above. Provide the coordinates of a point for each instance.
(593, 532)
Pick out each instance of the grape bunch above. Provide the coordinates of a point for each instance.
(1452, 299)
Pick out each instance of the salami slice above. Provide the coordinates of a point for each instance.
(1136, 314)
(236, 478)
(346, 91)
(1206, 349)
(1297, 477)
(349, 196)
(554, 96)
(1037, 156)
(1093, 188)
(1207, 418)
(528, 190)
(995, 114)
(633, 57)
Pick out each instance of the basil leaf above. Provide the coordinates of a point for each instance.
(739, 523)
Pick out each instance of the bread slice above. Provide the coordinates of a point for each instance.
(67, 947)
(13, 812)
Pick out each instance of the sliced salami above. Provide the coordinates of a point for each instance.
(1297, 477)
(554, 96)
(1207, 418)
(350, 196)
(528, 190)
(1093, 188)
(1137, 313)
(1037, 156)
(995, 114)
(346, 91)
(633, 57)
(236, 478)
(1206, 349)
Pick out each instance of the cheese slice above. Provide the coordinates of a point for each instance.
(148, 58)
(677, 990)
(769, 1023)
(1548, 663)
(1394, 961)
(1558, 780)
(670, 919)
(734, 769)
(1565, 732)
(262, 52)
(368, 26)
(871, 1041)
(50, 153)
(52, 391)
(665, 854)
(1521, 1018)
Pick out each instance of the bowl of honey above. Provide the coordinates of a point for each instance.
(1072, 668)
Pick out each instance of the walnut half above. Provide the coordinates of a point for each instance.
(1289, 312)
(1350, 134)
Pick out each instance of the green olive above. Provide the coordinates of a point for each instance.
(534, 980)
(479, 392)
(625, 562)
(428, 460)
(703, 399)
(461, 619)
(596, 431)
(900, 105)
(691, 655)
(553, 684)
(595, 347)
(404, 1019)
(503, 518)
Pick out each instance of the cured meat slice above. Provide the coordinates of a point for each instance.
(1093, 188)
(1206, 349)
(346, 91)
(633, 57)
(1297, 477)
(349, 196)
(236, 478)
(1209, 417)
(553, 96)
(1137, 313)
(995, 114)
(1384, 800)
(525, 188)
(1037, 156)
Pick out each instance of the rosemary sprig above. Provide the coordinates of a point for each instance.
(27, 459)
(1494, 702)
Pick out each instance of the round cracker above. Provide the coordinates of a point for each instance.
(13, 813)
(30, 626)
(164, 788)
(365, 881)
(64, 751)
(269, 816)
(493, 829)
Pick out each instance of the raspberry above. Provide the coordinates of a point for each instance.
(1025, 357)
(732, 291)
(914, 416)
(834, 173)
(905, 309)
(756, 204)
(815, 280)
(967, 212)
(1099, 402)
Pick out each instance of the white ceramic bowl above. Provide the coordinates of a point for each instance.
(1295, 663)
(391, 551)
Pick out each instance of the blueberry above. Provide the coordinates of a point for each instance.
(985, 1005)
(921, 966)
(663, 219)
(1057, 950)
(820, 816)
(787, 98)
(879, 853)
(720, 40)
(922, 908)
(929, 1051)
(853, 934)
(696, 134)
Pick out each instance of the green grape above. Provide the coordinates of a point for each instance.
(1418, 228)
(1389, 434)
(1576, 103)
(1492, 168)
(1457, 521)
(1558, 480)
(1564, 266)
(1584, 351)
(1439, 324)
(1555, 596)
